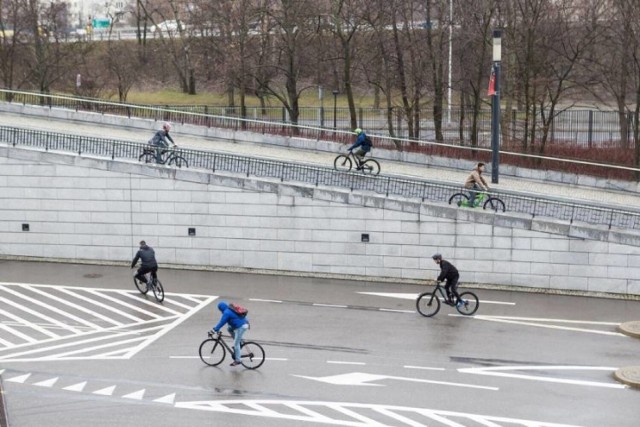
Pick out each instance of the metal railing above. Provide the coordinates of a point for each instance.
(285, 171)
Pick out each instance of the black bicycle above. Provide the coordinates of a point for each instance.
(214, 349)
(167, 156)
(428, 303)
(344, 162)
(154, 285)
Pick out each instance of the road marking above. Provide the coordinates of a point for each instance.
(504, 371)
(120, 302)
(76, 387)
(276, 359)
(329, 305)
(184, 357)
(169, 398)
(396, 311)
(19, 379)
(423, 367)
(100, 304)
(414, 296)
(47, 383)
(341, 362)
(265, 300)
(364, 379)
(107, 391)
(41, 316)
(136, 395)
(334, 413)
(137, 298)
(527, 321)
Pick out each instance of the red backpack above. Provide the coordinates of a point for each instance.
(239, 310)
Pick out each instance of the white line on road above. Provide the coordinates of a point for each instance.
(423, 367)
(36, 314)
(341, 362)
(396, 311)
(315, 304)
(265, 300)
(531, 322)
(413, 296)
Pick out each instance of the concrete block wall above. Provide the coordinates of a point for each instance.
(96, 209)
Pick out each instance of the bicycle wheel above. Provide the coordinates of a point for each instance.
(251, 355)
(147, 157)
(459, 199)
(370, 167)
(469, 304)
(179, 161)
(158, 291)
(494, 204)
(428, 304)
(342, 163)
(212, 352)
(142, 287)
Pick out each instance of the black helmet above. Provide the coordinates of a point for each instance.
(436, 256)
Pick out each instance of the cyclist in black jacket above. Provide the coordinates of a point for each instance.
(148, 263)
(449, 273)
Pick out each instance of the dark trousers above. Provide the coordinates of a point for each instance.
(452, 288)
(144, 270)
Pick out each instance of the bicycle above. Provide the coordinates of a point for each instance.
(214, 349)
(428, 303)
(492, 202)
(167, 156)
(154, 285)
(344, 162)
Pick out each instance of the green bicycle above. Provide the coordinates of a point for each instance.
(482, 198)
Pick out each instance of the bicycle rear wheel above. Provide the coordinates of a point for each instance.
(212, 352)
(142, 287)
(370, 167)
(342, 163)
(459, 199)
(428, 304)
(494, 204)
(469, 304)
(158, 291)
(179, 161)
(251, 355)
(147, 157)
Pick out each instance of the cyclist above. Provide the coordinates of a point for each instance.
(449, 273)
(363, 144)
(148, 263)
(237, 327)
(159, 141)
(475, 182)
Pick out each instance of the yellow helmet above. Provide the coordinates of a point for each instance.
(358, 131)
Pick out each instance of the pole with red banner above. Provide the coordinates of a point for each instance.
(494, 92)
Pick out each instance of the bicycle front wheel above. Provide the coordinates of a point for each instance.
(142, 287)
(342, 163)
(251, 355)
(494, 204)
(469, 304)
(370, 167)
(178, 161)
(158, 291)
(428, 304)
(459, 199)
(212, 352)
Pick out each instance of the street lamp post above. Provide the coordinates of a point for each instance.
(495, 107)
(335, 106)
(321, 96)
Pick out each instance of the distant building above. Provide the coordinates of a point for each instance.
(81, 12)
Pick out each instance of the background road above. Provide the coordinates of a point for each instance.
(339, 353)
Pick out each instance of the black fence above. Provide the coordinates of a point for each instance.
(387, 185)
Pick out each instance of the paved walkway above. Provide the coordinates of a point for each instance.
(574, 192)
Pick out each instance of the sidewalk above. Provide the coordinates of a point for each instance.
(572, 192)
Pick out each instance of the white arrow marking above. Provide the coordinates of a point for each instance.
(19, 379)
(47, 383)
(500, 372)
(76, 387)
(136, 395)
(362, 379)
(107, 391)
(411, 296)
(170, 398)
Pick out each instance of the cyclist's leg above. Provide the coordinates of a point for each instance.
(154, 272)
(237, 339)
(472, 194)
(141, 272)
(360, 156)
(447, 290)
(454, 290)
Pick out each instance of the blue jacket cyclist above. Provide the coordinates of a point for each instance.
(363, 144)
(237, 327)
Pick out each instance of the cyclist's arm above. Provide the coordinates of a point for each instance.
(135, 260)
(170, 139)
(223, 320)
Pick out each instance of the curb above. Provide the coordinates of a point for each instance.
(631, 329)
(629, 375)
